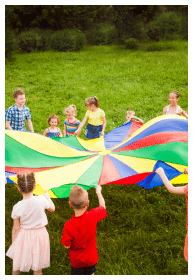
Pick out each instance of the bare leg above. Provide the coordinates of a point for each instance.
(38, 272)
(16, 272)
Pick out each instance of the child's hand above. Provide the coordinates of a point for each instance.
(77, 132)
(185, 170)
(98, 189)
(159, 171)
(46, 195)
(5, 180)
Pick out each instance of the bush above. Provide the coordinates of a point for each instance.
(166, 27)
(132, 44)
(102, 34)
(160, 46)
(68, 40)
(9, 42)
(28, 41)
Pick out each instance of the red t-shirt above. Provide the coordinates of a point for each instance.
(186, 192)
(80, 234)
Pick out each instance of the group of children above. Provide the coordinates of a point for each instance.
(30, 247)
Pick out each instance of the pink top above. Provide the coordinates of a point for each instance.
(31, 212)
(186, 192)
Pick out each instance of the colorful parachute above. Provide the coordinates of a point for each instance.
(126, 155)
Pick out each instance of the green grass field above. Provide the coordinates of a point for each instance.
(145, 230)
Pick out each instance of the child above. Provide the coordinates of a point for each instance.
(79, 233)
(176, 190)
(17, 114)
(130, 116)
(173, 108)
(30, 247)
(71, 123)
(97, 121)
(53, 130)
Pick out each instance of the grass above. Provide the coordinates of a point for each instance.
(145, 230)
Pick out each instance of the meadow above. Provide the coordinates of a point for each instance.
(145, 230)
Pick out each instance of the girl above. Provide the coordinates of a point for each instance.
(53, 130)
(96, 123)
(173, 108)
(130, 116)
(30, 247)
(176, 190)
(71, 123)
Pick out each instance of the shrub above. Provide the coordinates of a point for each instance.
(166, 27)
(67, 40)
(9, 42)
(132, 44)
(102, 34)
(160, 46)
(28, 41)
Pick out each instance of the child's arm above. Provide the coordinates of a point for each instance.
(30, 125)
(8, 125)
(45, 132)
(100, 197)
(164, 110)
(60, 133)
(168, 185)
(15, 229)
(78, 131)
(64, 130)
(141, 121)
(52, 206)
(104, 126)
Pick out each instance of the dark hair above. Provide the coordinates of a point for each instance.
(17, 92)
(176, 93)
(53, 116)
(91, 101)
(26, 182)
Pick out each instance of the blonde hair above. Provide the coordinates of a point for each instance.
(78, 197)
(53, 116)
(17, 92)
(130, 112)
(71, 109)
(176, 93)
(92, 101)
(26, 181)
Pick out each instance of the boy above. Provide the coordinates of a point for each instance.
(15, 115)
(130, 116)
(79, 234)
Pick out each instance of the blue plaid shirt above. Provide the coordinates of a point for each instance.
(17, 117)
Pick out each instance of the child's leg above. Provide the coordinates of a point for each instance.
(16, 272)
(38, 272)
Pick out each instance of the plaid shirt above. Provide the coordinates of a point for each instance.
(17, 117)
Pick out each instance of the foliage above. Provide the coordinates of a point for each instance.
(166, 27)
(102, 34)
(28, 41)
(144, 231)
(132, 44)
(160, 46)
(9, 42)
(67, 40)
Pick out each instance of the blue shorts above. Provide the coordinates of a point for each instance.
(92, 131)
(89, 270)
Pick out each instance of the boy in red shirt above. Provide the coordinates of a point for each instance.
(79, 233)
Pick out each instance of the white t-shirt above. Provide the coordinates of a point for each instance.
(31, 212)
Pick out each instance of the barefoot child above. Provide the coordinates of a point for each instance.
(53, 130)
(130, 116)
(79, 234)
(30, 247)
(96, 119)
(17, 114)
(71, 123)
(176, 190)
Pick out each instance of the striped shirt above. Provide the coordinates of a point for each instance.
(71, 127)
(17, 117)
